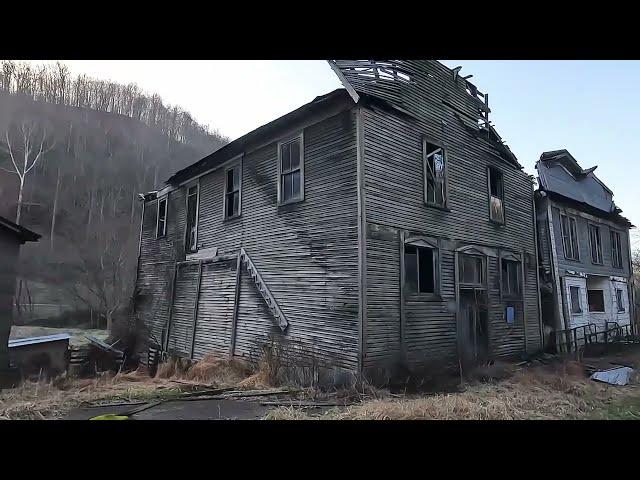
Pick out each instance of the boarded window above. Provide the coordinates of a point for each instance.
(161, 225)
(192, 219)
(434, 174)
(596, 300)
(496, 195)
(232, 193)
(575, 300)
(616, 250)
(291, 170)
(596, 244)
(511, 278)
(569, 237)
(471, 269)
(620, 299)
(420, 267)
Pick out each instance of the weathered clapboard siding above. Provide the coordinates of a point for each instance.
(394, 198)
(182, 311)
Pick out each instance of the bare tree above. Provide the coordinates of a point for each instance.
(31, 146)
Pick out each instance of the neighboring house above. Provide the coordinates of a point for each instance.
(585, 265)
(11, 237)
(382, 224)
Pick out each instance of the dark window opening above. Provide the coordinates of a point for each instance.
(192, 219)
(161, 227)
(569, 237)
(596, 244)
(232, 193)
(620, 300)
(420, 269)
(291, 170)
(496, 195)
(511, 279)
(575, 300)
(435, 175)
(596, 300)
(471, 269)
(616, 250)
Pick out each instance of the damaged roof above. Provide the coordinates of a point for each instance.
(21, 233)
(561, 174)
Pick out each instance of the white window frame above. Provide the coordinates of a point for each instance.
(237, 163)
(300, 137)
(165, 199)
(188, 186)
(580, 309)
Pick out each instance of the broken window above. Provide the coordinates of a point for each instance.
(161, 222)
(575, 300)
(596, 244)
(511, 278)
(420, 267)
(232, 192)
(569, 237)
(192, 219)
(434, 174)
(496, 195)
(291, 170)
(616, 251)
(620, 300)
(596, 300)
(471, 269)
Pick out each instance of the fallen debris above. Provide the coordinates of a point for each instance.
(613, 376)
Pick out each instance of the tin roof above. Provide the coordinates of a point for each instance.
(21, 342)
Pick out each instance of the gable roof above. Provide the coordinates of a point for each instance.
(21, 233)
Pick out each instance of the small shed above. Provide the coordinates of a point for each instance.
(12, 236)
(48, 354)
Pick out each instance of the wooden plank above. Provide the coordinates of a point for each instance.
(236, 303)
(195, 309)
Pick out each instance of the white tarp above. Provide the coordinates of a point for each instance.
(614, 376)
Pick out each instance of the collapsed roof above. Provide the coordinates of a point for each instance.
(21, 233)
(559, 173)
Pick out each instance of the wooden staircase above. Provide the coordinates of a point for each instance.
(266, 294)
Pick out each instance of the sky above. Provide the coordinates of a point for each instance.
(588, 107)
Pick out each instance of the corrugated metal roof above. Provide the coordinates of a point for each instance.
(21, 342)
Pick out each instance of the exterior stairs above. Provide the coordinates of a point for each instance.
(265, 293)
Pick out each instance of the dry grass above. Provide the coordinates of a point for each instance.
(553, 392)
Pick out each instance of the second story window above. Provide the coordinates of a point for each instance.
(434, 174)
(161, 221)
(616, 250)
(496, 195)
(596, 244)
(191, 244)
(232, 192)
(569, 237)
(290, 170)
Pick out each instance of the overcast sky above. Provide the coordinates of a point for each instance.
(588, 107)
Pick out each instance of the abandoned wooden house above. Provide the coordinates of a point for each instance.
(585, 262)
(382, 224)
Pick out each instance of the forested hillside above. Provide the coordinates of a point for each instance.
(74, 154)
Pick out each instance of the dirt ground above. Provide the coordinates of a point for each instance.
(219, 389)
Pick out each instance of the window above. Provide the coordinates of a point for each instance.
(420, 269)
(192, 219)
(232, 192)
(569, 237)
(471, 269)
(434, 174)
(596, 300)
(291, 171)
(575, 300)
(596, 244)
(511, 279)
(620, 300)
(161, 221)
(496, 195)
(616, 251)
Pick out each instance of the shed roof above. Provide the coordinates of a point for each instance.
(21, 233)
(21, 342)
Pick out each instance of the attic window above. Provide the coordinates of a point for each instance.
(496, 195)
(291, 170)
(232, 192)
(161, 221)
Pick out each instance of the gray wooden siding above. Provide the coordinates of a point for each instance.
(394, 198)
(181, 329)
(306, 252)
(585, 265)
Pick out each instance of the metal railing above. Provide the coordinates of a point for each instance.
(572, 339)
